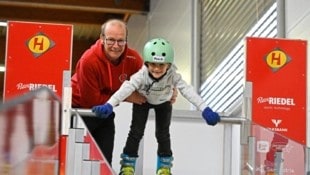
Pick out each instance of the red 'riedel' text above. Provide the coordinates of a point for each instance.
(277, 101)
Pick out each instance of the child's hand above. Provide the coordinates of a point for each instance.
(103, 111)
(212, 118)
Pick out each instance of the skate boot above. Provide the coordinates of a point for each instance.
(6, 166)
(164, 165)
(127, 165)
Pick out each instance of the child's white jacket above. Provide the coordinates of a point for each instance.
(157, 92)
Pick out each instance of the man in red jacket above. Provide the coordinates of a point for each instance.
(99, 73)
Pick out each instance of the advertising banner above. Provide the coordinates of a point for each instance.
(276, 69)
(36, 56)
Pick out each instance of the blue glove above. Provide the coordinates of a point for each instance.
(211, 117)
(103, 111)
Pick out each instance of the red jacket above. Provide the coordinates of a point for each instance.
(96, 79)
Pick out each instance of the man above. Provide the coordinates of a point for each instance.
(99, 73)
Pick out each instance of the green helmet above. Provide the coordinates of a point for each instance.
(158, 50)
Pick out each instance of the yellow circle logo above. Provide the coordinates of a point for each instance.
(276, 59)
(39, 44)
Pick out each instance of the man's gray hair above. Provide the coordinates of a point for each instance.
(114, 21)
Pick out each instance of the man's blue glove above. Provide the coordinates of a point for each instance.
(103, 111)
(211, 117)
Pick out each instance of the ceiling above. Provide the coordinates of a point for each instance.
(86, 16)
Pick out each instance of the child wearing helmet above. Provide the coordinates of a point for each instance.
(155, 80)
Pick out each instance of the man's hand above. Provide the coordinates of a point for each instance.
(136, 98)
(174, 96)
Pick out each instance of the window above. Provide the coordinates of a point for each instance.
(222, 50)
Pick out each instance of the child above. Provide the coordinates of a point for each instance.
(155, 80)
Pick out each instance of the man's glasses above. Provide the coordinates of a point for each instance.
(111, 41)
